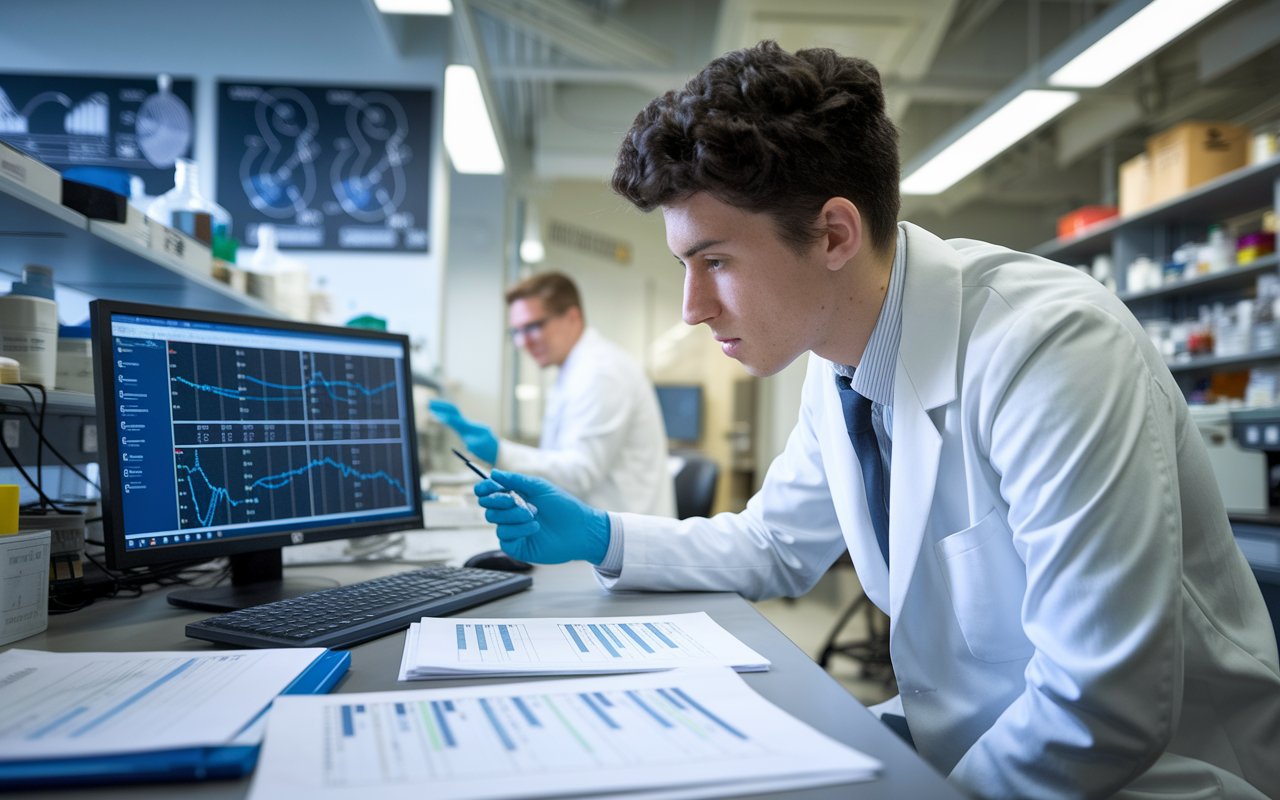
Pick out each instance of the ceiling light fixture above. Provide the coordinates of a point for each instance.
(1149, 29)
(435, 8)
(1012, 122)
(468, 131)
(531, 249)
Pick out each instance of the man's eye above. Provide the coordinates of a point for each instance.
(714, 263)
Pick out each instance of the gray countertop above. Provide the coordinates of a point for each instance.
(794, 682)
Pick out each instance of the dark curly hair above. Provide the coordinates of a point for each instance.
(774, 132)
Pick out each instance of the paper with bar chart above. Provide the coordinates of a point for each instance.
(86, 704)
(697, 732)
(451, 648)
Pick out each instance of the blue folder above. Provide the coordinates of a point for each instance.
(186, 764)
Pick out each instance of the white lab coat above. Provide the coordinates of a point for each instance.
(603, 439)
(1071, 616)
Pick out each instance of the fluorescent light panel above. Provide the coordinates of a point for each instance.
(436, 8)
(468, 132)
(1007, 126)
(1159, 23)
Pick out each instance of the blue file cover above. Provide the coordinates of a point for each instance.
(187, 764)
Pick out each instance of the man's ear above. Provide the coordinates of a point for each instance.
(843, 226)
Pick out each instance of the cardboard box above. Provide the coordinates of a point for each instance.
(1190, 153)
(1135, 185)
(20, 168)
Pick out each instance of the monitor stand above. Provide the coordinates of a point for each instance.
(256, 578)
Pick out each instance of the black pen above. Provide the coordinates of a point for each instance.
(520, 501)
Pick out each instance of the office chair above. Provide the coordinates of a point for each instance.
(696, 486)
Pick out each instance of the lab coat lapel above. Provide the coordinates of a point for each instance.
(926, 379)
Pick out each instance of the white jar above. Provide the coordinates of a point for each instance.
(75, 359)
(29, 326)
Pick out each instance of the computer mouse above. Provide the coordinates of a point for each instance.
(496, 559)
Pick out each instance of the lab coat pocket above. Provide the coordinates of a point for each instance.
(987, 580)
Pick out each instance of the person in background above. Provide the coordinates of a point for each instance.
(993, 437)
(603, 439)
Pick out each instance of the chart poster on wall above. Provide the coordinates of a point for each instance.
(332, 168)
(140, 124)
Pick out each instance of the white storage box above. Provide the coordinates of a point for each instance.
(1241, 474)
(20, 168)
(24, 585)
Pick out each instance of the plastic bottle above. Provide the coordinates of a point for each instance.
(279, 281)
(29, 326)
(1186, 257)
(1220, 256)
(1265, 334)
(1142, 275)
(1102, 271)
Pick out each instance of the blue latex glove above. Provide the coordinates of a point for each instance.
(478, 438)
(564, 528)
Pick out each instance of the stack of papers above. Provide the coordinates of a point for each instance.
(65, 705)
(456, 648)
(682, 734)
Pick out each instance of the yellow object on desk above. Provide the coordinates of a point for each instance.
(8, 509)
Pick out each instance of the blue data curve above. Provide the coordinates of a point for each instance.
(318, 380)
(280, 481)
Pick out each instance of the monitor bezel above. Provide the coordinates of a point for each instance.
(118, 555)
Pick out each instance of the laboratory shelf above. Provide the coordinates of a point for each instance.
(1242, 361)
(1228, 280)
(101, 261)
(1235, 193)
(58, 401)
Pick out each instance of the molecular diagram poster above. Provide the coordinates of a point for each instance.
(134, 124)
(332, 168)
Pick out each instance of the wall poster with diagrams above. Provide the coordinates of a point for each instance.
(133, 124)
(332, 168)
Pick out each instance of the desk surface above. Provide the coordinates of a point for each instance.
(795, 682)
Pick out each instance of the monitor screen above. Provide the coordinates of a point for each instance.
(230, 434)
(681, 411)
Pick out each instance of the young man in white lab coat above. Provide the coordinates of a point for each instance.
(603, 439)
(1011, 465)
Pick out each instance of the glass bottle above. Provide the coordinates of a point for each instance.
(181, 206)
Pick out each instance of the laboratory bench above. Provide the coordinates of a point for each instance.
(794, 682)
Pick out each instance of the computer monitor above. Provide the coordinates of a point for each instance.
(681, 411)
(227, 435)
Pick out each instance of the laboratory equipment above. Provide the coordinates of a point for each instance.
(29, 326)
(224, 435)
(681, 411)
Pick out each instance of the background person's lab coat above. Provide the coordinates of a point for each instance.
(1068, 605)
(603, 439)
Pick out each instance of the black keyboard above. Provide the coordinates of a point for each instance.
(347, 615)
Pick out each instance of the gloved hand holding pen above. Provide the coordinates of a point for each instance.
(564, 528)
(478, 438)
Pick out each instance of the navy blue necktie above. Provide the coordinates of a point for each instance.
(857, 421)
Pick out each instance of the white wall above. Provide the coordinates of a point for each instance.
(475, 316)
(301, 41)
